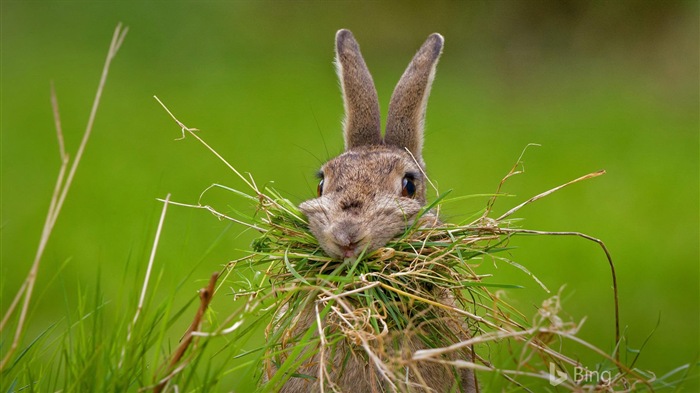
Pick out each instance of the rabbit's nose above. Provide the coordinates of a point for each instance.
(351, 205)
(346, 232)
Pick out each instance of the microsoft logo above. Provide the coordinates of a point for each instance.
(553, 372)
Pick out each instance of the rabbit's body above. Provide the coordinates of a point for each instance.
(353, 372)
(368, 195)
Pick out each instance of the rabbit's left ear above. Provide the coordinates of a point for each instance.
(406, 117)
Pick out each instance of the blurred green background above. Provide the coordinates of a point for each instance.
(599, 84)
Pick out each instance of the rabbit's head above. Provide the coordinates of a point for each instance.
(374, 190)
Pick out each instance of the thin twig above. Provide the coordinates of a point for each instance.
(57, 122)
(553, 190)
(146, 279)
(54, 198)
(205, 296)
(217, 214)
(117, 39)
(513, 171)
(60, 192)
(249, 305)
(610, 262)
(321, 350)
(191, 131)
(48, 226)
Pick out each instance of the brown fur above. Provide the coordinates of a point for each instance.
(359, 207)
(362, 122)
(405, 122)
(362, 208)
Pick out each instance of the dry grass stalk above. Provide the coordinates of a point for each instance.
(59, 195)
(146, 279)
(205, 297)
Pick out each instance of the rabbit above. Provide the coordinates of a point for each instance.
(368, 195)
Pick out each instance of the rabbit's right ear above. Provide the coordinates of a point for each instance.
(362, 124)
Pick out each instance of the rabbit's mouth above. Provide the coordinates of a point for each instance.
(342, 246)
(351, 250)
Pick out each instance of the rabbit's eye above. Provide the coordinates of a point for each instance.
(319, 189)
(408, 189)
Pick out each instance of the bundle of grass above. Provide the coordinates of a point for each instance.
(379, 307)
